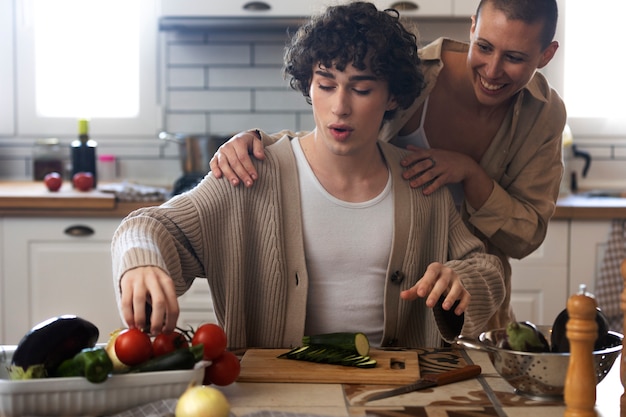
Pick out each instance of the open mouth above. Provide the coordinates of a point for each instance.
(489, 86)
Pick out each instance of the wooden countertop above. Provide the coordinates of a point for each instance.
(586, 207)
(30, 198)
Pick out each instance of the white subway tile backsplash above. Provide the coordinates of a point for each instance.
(603, 152)
(253, 77)
(187, 77)
(620, 152)
(186, 123)
(227, 124)
(220, 54)
(215, 100)
(268, 54)
(284, 100)
(157, 172)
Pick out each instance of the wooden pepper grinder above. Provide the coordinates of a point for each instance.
(581, 379)
(622, 368)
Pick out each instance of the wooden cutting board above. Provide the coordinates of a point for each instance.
(394, 368)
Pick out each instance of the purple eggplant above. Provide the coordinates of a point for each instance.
(49, 343)
(558, 338)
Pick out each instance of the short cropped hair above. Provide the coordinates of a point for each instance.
(529, 11)
(358, 34)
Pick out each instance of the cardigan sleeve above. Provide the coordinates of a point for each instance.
(481, 274)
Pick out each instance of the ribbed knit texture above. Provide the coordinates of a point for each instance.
(249, 247)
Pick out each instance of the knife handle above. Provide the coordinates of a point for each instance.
(454, 375)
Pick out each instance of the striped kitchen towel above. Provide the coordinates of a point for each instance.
(610, 281)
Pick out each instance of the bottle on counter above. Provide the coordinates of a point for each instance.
(107, 168)
(83, 152)
(47, 157)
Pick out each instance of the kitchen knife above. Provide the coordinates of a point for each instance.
(431, 380)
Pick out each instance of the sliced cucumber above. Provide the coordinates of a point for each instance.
(329, 355)
(351, 342)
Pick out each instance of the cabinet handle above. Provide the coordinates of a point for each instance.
(403, 6)
(256, 6)
(79, 231)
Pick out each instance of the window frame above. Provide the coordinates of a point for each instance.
(29, 123)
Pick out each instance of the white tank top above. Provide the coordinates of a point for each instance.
(347, 247)
(418, 138)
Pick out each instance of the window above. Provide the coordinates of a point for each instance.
(86, 58)
(593, 80)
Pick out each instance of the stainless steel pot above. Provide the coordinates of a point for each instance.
(195, 151)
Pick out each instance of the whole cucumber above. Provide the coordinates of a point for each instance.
(180, 359)
(51, 342)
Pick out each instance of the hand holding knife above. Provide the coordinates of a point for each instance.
(431, 380)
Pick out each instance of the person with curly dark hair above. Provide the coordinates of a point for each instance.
(388, 50)
(331, 238)
(487, 125)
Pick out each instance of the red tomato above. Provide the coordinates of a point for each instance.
(213, 338)
(223, 371)
(168, 342)
(53, 181)
(83, 181)
(132, 347)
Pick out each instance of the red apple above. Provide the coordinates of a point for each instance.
(83, 181)
(53, 181)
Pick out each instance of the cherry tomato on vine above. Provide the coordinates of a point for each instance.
(168, 342)
(214, 339)
(223, 370)
(132, 347)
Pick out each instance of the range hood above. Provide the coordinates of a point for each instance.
(239, 23)
(281, 14)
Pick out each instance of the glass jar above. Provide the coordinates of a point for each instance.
(47, 157)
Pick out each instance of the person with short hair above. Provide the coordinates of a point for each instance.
(487, 125)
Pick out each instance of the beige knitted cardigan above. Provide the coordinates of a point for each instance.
(248, 245)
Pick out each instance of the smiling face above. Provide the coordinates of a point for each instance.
(504, 55)
(348, 108)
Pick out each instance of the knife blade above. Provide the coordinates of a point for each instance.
(431, 380)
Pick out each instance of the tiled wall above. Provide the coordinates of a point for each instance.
(225, 82)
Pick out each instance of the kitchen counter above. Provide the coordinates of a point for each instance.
(487, 395)
(587, 206)
(30, 198)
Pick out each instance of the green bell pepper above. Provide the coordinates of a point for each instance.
(92, 363)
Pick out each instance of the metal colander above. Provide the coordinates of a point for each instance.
(538, 375)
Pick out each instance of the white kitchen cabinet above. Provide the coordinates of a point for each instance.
(540, 281)
(588, 243)
(57, 266)
(292, 8)
(54, 266)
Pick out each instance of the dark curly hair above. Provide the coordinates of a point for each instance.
(361, 35)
